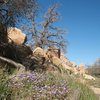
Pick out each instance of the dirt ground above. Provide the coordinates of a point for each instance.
(96, 91)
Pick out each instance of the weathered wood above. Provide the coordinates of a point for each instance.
(12, 63)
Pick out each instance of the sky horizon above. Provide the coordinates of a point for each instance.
(81, 21)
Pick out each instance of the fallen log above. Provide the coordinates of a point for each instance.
(16, 65)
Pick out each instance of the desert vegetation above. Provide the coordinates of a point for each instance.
(36, 68)
(40, 85)
(94, 69)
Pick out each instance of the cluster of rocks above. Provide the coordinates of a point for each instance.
(59, 61)
(62, 62)
(52, 55)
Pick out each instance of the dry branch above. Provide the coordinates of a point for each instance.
(12, 63)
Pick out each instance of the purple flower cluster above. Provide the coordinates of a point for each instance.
(39, 86)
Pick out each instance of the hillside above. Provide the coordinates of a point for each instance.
(39, 74)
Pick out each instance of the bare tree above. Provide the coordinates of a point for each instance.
(11, 11)
(94, 69)
(48, 35)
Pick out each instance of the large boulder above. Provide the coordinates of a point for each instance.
(39, 52)
(23, 51)
(16, 36)
(58, 62)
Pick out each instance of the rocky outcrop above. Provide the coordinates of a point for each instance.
(81, 69)
(66, 61)
(39, 52)
(23, 51)
(89, 77)
(39, 56)
(16, 36)
(61, 63)
(54, 52)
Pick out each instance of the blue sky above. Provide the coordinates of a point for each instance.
(81, 20)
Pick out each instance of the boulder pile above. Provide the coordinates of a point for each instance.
(52, 54)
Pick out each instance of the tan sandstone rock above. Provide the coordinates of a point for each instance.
(89, 77)
(65, 60)
(61, 63)
(53, 51)
(39, 52)
(81, 69)
(16, 36)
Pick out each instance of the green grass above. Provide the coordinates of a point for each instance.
(4, 89)
(84, 92)
(95, 83)
(75, 88)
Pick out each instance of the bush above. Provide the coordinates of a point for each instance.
(95, 71)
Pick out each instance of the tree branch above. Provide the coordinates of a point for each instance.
(12, 63)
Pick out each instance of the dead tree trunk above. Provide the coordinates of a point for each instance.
(12, 63)
(3, 33)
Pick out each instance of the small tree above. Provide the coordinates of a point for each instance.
(48, 35)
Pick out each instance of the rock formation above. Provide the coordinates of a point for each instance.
(81, 69)
(16, 36)
(54, 51)
(39, 52)
(89, 77)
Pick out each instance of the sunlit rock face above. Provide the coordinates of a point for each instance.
(16, 36)
(81, 69)
(89, 77)
(53, 52)
(39, 52)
